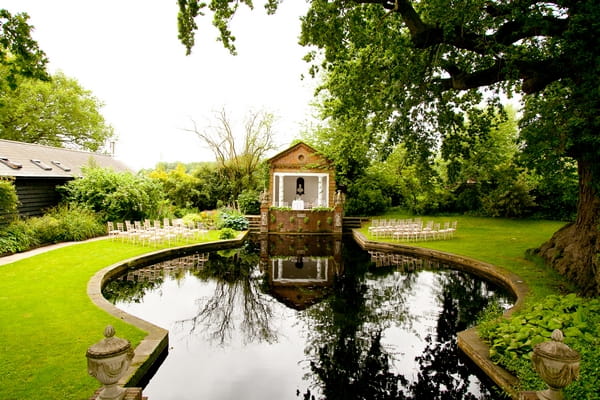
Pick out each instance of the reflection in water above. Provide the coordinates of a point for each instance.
(237, 296)
(403, 262)
(133, 284)
(311, 319)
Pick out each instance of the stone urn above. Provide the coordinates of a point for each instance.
(107, 361)
(557, 364)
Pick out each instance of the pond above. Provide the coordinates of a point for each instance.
(300, 317)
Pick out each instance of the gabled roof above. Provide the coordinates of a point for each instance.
(309, 155)
(19, 159)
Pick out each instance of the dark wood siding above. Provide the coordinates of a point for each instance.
(36, 195)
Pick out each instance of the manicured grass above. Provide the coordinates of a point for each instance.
(502, 242)
(47, 321)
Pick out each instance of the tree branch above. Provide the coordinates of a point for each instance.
(535, 75)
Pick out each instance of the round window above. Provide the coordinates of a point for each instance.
(301, 157)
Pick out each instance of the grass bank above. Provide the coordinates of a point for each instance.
(499, 241)
(47, 320)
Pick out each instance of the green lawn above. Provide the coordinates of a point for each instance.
(499, 241)
(47, 321)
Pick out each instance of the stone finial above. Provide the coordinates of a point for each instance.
(557, 364)
(264, 198)
(107, 361)
(339, 197)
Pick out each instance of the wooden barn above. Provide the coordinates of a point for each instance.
(37, 170)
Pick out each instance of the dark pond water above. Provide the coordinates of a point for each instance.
(299, 318)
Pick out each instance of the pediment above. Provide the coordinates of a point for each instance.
(299, 156)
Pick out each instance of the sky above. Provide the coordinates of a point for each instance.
(126, 52)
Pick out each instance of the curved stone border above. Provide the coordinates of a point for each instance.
(156, 342)
(468, 340)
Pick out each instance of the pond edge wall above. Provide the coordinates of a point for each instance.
(468, 340)
(155, 344)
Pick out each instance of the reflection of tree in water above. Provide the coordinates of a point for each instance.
(236, 298)
(345, 351)
(129, 291)
(442, 371)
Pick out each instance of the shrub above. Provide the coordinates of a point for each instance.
(192, 218)
(249, 202)
(227, 233)
(512, 200)
(66, 223)
(61, 224)
(365, 198)
(8, 199)
(116, 196)
(232, 221)
(17, 237)
(468, 197)
(321, 208)
(77, 223)
(180, 188)
(45, 229)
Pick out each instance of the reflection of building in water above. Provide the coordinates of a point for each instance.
(301, 268)
(158, 270)
(403, 262)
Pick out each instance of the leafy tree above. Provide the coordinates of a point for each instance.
(556, 190)
(416, 185)
(366, 197)
(57, 113)
(415, 68)
(213, 187)
(510, 194)
(222, 11)
(348, 144)
(483, 165)
(181, 188)
(474, 152)
(19, 53)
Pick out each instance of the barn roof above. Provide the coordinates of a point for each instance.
(19, 159)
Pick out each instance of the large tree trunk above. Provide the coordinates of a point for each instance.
(574, 250)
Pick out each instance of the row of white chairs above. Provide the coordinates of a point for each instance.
(154, 233)
(409, 229)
